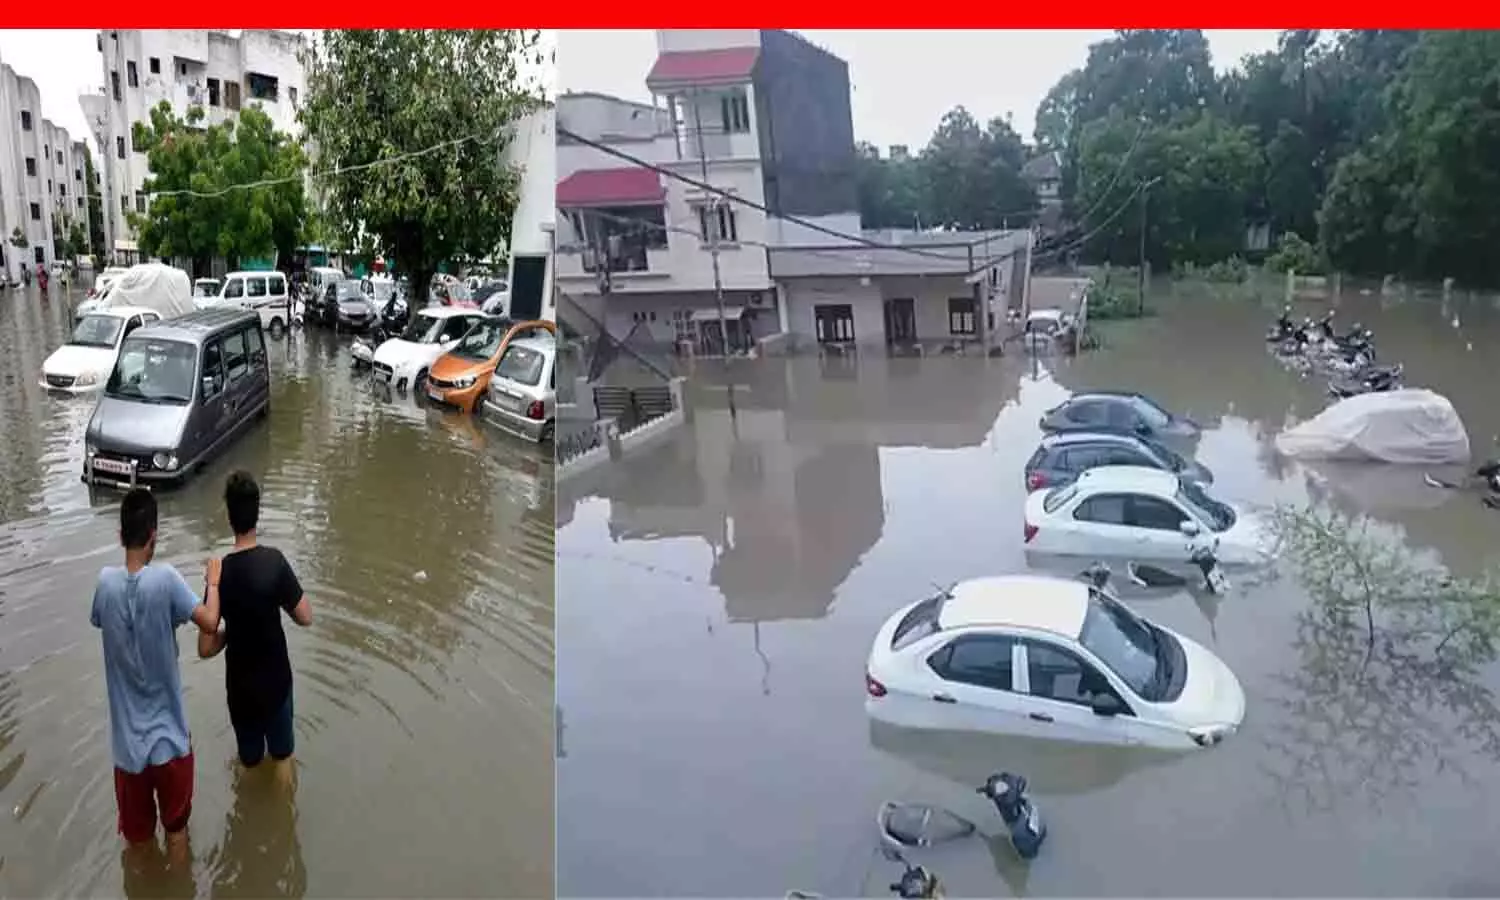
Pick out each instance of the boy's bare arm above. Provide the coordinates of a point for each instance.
(206, 615)
(210, 645)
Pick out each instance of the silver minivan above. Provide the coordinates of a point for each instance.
(181, 391)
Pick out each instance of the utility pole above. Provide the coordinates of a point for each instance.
(711, 234)
(1140, 308)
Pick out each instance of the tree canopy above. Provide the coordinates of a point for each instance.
(248, 197)
(1378, 148)
(410, 129)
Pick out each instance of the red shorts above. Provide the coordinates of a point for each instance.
(167, 787)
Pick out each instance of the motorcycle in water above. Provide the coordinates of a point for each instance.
(1027, 830)
(1368, 380)
(1284, 329)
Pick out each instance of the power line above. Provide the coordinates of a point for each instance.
(1119, 170)
(751, 204)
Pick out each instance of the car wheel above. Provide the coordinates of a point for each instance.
(546, 434)
(419, 382)
(277, 327)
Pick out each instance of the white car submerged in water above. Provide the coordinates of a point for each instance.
(402, 362)
(83, 364)
(1137, 513)
(1051, 658)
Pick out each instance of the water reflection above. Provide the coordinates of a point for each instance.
(426, 545)
(1375, 722)
(724, 588)
(261, 826)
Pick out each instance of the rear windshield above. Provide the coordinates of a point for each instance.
(921, 622)
(1167, 455)
(1057, 497)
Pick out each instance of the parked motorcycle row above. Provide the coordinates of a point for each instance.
(1347, 359)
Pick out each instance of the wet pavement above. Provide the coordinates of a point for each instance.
(721, 592)
(423, 688)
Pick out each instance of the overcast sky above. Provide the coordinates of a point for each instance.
(903, 80)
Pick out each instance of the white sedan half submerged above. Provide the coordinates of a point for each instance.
(403, 361)
(1051, 658)
(1141, 514)
(85, 362)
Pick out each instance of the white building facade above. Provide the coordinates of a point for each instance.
(533, 226)
(41, 177)
(764, 117)
(220, 72)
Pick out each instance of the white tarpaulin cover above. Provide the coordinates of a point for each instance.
(1411, 426)
(154, 286)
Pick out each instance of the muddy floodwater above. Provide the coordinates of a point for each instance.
(720, 595)
(423, 688)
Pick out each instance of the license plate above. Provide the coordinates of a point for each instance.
(112, 465)
(508, 401)
(435, 395)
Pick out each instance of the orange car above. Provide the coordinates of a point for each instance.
(460, 376)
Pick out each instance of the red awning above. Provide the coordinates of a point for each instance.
(704, 67)
(610, 187)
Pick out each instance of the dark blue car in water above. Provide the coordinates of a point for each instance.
(1121, 412)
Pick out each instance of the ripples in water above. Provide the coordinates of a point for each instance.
(424, 686)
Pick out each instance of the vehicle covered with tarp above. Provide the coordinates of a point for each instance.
(1412, 426)
(154, 286)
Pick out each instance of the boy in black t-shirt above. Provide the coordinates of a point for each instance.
(256, 585)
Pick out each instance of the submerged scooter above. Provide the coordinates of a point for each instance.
(1008, 793)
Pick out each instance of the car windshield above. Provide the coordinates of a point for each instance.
(154, 371)
(522, 365)
(1215, 514)
(1154, 415)
(1171, 457)
(206, 289)
(1058, 497)
(97, 331)
(483, 342)
(348, 290)
(1127, 644)
(423, 330)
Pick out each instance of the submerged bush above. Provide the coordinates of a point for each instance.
(1293, 254)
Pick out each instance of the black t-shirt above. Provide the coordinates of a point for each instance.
(255, 586)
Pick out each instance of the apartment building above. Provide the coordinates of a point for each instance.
(764, 117)
(39, 193)
(220, 72)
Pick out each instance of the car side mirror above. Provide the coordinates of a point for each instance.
(1190, 528)
(1106, 705)
(208, 386)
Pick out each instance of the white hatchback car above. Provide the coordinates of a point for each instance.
(1052, 658)
(1141, 514)
(84, 363)
(403, 362)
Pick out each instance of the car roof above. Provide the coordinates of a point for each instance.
(1106, 395)
(198, 325)
(543, 345)
(120, 312)
(1065, 438)
(1049, 312)
(1135, 479)
(1039, 602)
(448, 312)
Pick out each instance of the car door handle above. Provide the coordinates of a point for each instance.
(943, 698)
(1041, 717)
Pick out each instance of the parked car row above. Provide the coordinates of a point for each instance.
(1061, 656)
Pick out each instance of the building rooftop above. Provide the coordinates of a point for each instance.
(703, 67)
(611, 187)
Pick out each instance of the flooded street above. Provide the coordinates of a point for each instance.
(424, 687)
(721, 593)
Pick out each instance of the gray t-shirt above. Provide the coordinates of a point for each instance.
(139, 615)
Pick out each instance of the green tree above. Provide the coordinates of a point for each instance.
(219, 217)
(972, 175)
(1206, 170)
(78, 241)
(18, 239)
(890, 189)
(424, 116)
(61, 249)
(96, 207)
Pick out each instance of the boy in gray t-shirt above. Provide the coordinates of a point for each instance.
(137, 609)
